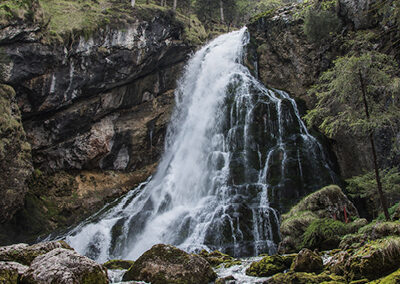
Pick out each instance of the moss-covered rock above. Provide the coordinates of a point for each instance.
(168, 264)
(24, 254)
(324, 234)
(217, 258)
(327, 204)
(268, 266)
(307, 261)
(305, 278)
(10, 272)
(118, 264)
(383, 254)
(64, 266)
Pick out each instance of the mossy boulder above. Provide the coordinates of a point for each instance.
(375, 259)
(217, 258)
(324, 234)
(168, 264)
(64, 266)
(268, 266)
(10, 272)
(25, 254)
(328, 203)
(118, 264)
(226, 280)
(307, 261)
(305, 278)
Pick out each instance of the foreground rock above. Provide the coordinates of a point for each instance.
(305, 278)
(25, 254)
(64, 266)
(167, 264)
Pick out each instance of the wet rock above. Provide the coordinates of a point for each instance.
(167, 264)
(268, 266)
(10, 272)
(390, 279)
(118, 264)
(64, 266)
(25, 254)
(307, 261)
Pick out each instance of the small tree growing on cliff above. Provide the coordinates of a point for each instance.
(359, 95)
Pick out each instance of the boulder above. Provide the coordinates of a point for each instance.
(226, 280)
(268, 266)
(10, 272)
(391, 278)
(64, 266)
(168, 264)
(25, 254)
(307, 261)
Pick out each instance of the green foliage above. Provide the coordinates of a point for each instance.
(320, 24)
(364, 186)
(324, 234)
(340, 105)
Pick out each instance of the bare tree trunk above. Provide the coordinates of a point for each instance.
(133, 3)
(221, 9)
(175, 4)
(374, 156)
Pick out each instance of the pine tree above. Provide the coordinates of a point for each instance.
(359, 95)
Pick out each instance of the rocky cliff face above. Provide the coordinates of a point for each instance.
(287, 60)
(95, 106)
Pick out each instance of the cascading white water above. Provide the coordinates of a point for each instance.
(231, 146)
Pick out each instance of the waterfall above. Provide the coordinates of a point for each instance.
(233, 149)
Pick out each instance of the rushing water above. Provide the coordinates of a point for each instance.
(232, 147)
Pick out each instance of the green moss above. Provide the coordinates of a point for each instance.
(390, 279)
(217, 258)
(324, 234)
(268, 266)
(382, 253)
(118, 264)
(305, 278)
(267, 14)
